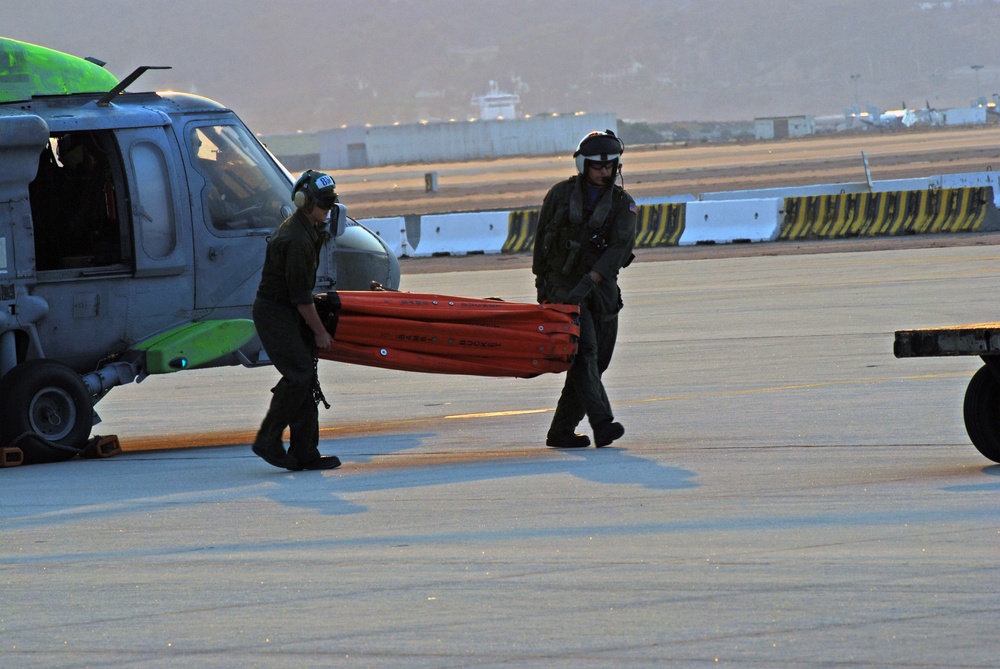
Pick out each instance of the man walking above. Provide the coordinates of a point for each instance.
(290, 328)
(585, 234)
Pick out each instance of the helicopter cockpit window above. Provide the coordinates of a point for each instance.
(75, 203)
(243, 189)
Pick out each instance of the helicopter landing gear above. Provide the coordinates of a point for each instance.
(45, 411)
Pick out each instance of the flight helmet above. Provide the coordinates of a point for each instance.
(315, 188)
(599, 147)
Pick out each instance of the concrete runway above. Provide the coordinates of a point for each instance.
(788, 494)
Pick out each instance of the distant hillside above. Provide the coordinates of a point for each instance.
(322, 63)
(654, 61)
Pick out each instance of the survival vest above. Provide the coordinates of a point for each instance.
(570, 250)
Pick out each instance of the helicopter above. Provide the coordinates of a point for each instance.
(133, 229)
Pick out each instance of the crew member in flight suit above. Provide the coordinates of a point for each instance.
(584, 237)
(291, 330)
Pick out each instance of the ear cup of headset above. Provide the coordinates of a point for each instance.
(299, 196)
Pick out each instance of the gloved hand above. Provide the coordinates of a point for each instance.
(582, 290)
(540, 291)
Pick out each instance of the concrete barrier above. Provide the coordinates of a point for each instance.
(973, 180)
(836, 216)
(920, 183)
(392, 231)
(960, 210)
(948, 210)
(944, 204)
(786, 192)
(521, 226)
(724, 222)
(665, 199)
(460, 234)
(889, 213)
(659, 225)
(656, 225)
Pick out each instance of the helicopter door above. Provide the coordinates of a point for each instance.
(162, 246)
(239, 197)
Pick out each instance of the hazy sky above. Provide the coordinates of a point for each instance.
(311, 64)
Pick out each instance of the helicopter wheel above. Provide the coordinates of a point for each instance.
(47, 399)
(982, 413)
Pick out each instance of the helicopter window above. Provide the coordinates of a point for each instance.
(153, 205)
(243, 189)
(74, 205)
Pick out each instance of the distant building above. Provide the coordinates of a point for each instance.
(297, 152)
(496, 105)
(782, 127)
(376, 146)
(965, 116)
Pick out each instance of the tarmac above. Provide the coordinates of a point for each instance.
(787, 494)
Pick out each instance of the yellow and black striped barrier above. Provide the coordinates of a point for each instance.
(888, 213)
(659, 225)
(521, 225)
(656, 225)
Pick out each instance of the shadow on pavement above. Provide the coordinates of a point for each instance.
(153, 481)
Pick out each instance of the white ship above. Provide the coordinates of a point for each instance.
(496, 105)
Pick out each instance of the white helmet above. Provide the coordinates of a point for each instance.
(599, 147)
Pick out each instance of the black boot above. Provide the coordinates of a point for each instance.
(274, 454)
(607, 433)
(567, 440)
(320, 462)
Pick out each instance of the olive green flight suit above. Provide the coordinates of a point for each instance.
(287, 280)
(575, 236)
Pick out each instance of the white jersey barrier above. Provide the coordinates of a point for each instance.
(724, 222)
(962, 180)
(392, 231)
(973, 180)
(460, 234)
(719, 218)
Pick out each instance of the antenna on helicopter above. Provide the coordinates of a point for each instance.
(126, 82)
